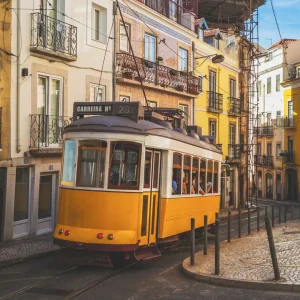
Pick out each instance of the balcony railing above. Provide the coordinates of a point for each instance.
(214, 102)
(234, 151)
(157, 74)
(234, 106)
(46, 131)
(264, 160)
(288, 157)
(173, 11)
(285, 122)
(53, 36)
(263, 131)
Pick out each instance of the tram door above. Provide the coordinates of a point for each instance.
(150, 197)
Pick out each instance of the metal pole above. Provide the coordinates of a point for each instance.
(217, 248)
(229, 226)
(258, 219)
(205, 236)
(192, 241)
(239, 224)
(249, 221)
(114, 82)
(279, 213)
(273, 216)
(285, 212)
(272, 249)
(266, 211)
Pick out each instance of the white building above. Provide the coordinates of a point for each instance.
(63, 45)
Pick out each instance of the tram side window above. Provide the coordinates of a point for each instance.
(91, 163)
(147, 173)
(195, 176)
(177, 175)
(209, 185)
(69, 162)
(216, 177)
(124, 166)
(186, 184)
(203, 167)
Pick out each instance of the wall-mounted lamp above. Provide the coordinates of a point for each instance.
(217, 58)
(24, 72)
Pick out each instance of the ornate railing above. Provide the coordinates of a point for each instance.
(264, 160)
(288, 157)
(285, 122)
(234, 151)
(53, 35)
(234, 106)
(263, 131)
(47, 130)
(157, 74)
(214, 102)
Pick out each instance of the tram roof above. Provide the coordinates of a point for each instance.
(116, 124)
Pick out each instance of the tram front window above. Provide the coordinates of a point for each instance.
(124, 165)
(91, 164)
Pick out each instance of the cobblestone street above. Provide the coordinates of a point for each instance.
(249, 258)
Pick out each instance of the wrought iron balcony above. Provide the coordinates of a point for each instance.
(214, 102)
(53, 37)
(264, 160)
(234, 151)
(234, 106)
(46, 131)
(288, 157)
(263, 131)
(285, 122)
(157, 74)
(173, 11)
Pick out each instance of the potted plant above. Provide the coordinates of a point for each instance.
(159, 59)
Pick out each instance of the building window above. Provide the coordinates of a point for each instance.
(278, 118)
(185, 109)
(269, 87)
(259, 88)
(150, 47)
(269, 149)
(124, 43)
(183, 60)
(97, 93)
(232, 134)
(278, 83)
(258, 152)
(259, 120)
(232, 88)
(173, 10)
(270, 55)
(278, 151)
(99, 24)
(269, 119)
(212, 81)
(124, 98)
(212, 128)
(290, 109)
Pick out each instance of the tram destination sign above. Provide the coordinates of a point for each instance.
(132, 110)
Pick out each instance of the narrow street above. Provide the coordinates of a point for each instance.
(61, 276)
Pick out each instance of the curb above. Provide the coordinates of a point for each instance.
(242, 284)
(16, 261)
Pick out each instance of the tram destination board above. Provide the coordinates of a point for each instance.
(131, 110)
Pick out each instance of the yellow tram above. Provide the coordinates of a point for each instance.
(130, 181)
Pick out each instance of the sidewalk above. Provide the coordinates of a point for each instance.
(24, 248)
(246, 262)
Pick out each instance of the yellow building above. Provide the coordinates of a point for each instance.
(217, 109)
(291, 151)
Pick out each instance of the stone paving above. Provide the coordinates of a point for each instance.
(22, 248)
(249, 258)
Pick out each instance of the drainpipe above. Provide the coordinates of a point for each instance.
(18, 144)
(114, 85)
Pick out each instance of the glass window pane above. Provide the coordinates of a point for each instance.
(156, 171)
(91, 164)
(69, 161)
(216, 177)
(124, 166)
(55, 95)
(177, 175)
(203, 176)
(147, 173)
(42, 94)
(195, 176)
(45, 197)
(97, 25)
(209, 185)
(21, 194)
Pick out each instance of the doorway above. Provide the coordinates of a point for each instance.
(278, 187)
(292, 180)
(46, 206)
(150, 197)
(269, 186)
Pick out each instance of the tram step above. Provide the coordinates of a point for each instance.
(147, 253)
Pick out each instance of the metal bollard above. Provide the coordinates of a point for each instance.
(266, 213)
(279, 213)
(285, 213)
(205, 236)
(192, 241)
(239, 224)
(273, 216)
(217, 248)
(229, 226)
(258, 219)
(249, 221)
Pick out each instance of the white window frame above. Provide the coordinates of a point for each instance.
(183, 61)
(124, 48)
(102, 30)
(150, 53)
(185, 108)
(97, 86)
(210, 128)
